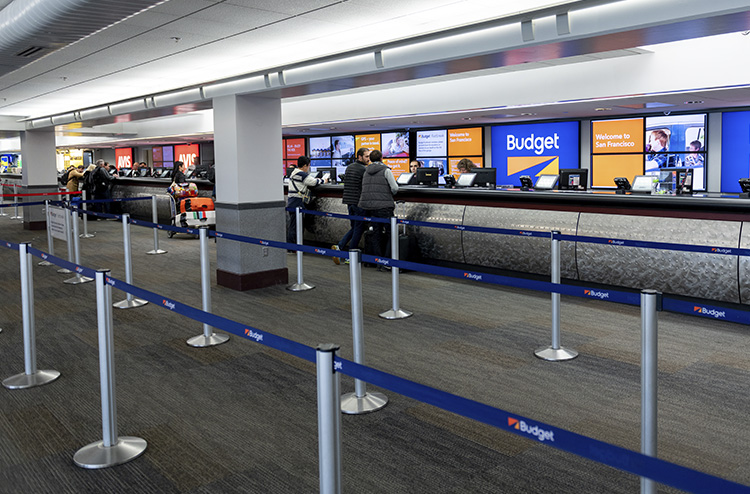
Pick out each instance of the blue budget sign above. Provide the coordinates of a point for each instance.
(534, 149)
(735, 149)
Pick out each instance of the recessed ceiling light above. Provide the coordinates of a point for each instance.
(466, 118)
(696, 102)
(527, 114)
(602, 109)
(331, 128)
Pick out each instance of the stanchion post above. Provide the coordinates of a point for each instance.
(86, 233)
(15, 207)
(130, 302)
(555, 352)
(111, 450)
(2, 199)
(395, 312)
(360, 401)
(50, 242)
(329, 420)
(78, 278)
(32, 376)
(650, 301)
(300, 286)
(155, 220)
(208, 338)
(68, 241)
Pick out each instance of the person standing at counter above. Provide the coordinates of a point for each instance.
(179, 173)
(300, 183)
(102, 182)
(378, 188)
(75, 174)
(351, 195)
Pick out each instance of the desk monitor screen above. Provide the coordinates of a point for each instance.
(466, 180)
(546, 182)
(642, 183)
(326, 173)
(573, 179)
(427, 176)
(404, 178)
(485, 177)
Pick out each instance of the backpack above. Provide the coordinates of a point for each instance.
(64, 177)
(88, 180)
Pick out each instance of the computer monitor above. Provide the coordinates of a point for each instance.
(466, 180)
(406, 179)
(686, 184)
(671, 178)
(427, 176)
(546, 182)
(329, 173)
(485, 177)
(573, 179)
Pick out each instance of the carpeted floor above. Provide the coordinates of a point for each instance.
(242, 418)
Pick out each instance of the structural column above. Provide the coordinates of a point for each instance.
(39, 174)
(249, 191)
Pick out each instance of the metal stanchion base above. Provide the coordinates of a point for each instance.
(300, 287)
(130, 304)
(78, 279)
(157, 251)
(64, 271)
(203, 341)
(3, 214)
(555, 354)
(87, 235)
(97, 455)
(370, 402)
(16, 217)
(396, 314)
(44, 263)
(23, 381)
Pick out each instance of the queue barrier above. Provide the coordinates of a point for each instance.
(649, 467)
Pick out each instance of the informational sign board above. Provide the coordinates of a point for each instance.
(57, 223)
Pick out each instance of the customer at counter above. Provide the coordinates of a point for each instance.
(351, 196)
(300, 182)
(75, 174)
(378, 188)
(179, 173)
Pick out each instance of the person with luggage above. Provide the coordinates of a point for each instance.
(179, 174)
(378, 188)
(75, 175)
(300, 183)
(352, 193)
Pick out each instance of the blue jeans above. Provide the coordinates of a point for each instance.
(380, 231)
(351, 239)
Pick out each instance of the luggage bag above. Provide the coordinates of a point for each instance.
(196, 204)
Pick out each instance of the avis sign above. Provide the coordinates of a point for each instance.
(124, 158)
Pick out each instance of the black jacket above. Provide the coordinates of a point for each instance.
(102, 179)
(353, 182)
(179, 177)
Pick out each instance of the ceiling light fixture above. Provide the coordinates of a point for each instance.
(696, 102)
(602, 109)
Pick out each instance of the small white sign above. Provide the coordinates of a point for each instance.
(57, 223)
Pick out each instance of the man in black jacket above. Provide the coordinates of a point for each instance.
(102, 182)
(352, 192)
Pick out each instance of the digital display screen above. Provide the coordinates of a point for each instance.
(432, 143)
(369, 141)
(342, 150)
(320, 148)
(395, 145)
(465, 142)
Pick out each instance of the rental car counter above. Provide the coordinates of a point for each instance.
(722, 222)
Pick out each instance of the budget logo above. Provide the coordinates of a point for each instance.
(526, 234)
(616, 242)
(536, 431)
(79, 269)
(253, 335)
(473, 276)
(263, 242)
(218, 234)
(459, 227)
(320, 251)
(705, 311)
(169, 305)
(384, 262)
(721, 251)
(601, 295)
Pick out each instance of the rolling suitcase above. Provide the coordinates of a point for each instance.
(196, 204)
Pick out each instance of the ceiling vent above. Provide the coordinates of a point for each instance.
(31, 51)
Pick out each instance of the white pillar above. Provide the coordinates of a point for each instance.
(39, 173)
(249, 190)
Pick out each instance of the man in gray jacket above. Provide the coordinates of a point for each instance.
(378, 188)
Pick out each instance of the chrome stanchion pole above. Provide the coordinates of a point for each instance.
(15, 207)
(556, 352)
(300, 286)
(155, 220)
(111, 450)
(31, 377)
(2, 199)
(395, 312)
(208, 338)
(50, 242)
(360, 401)
(78, 278)
(86, 233)
(130, 302)
(68, 241)
(329, 420)
(649, 369)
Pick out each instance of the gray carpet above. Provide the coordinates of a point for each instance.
(242, 418)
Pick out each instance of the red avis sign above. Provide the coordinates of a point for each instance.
(186, 153)
(124, 158)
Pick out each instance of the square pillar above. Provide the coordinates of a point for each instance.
(38, 174)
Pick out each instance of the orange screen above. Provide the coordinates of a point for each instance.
(452, 162)
(370, 141)
(604, 169)
(617, 136)
(397, 165)
(465, 142)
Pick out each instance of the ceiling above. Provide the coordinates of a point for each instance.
(188, 43)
